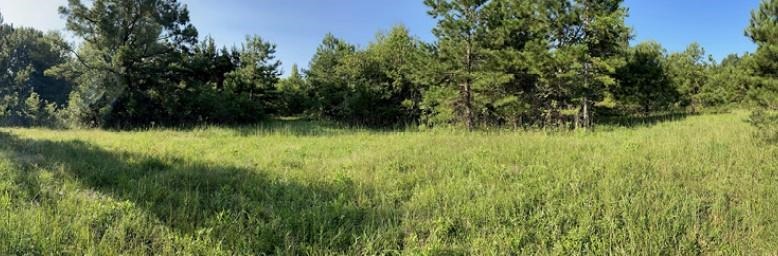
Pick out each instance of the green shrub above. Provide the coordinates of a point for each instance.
(766, 123)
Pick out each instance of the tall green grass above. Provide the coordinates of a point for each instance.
(699, 185)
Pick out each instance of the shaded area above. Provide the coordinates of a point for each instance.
(249, 211)
(301, 127)
(637, 120)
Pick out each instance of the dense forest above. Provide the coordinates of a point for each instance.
(506, 63)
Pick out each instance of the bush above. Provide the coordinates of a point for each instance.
(766, 123)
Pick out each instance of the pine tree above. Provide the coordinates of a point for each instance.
(763, 30)
(644, 81)
(517, 47)
(461, 47)
(257, 72)
(294, 91)
(328, 87)
(600, 31)
(126, 57)
(688, 70)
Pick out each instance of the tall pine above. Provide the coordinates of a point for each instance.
(763, 30)
(598, 27)
(461, 40)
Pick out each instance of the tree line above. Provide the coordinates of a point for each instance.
(513, 63)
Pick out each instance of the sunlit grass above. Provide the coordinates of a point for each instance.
(696, 185)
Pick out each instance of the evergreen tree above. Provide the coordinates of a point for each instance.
(328, 86)
(126, 57)
(728, 82)
(688, 70)
(200, 95)
(254, 80)
(644, 81)
(517, 49)
(598, 38)
(294, 90)
(763, 30)
(462, 50)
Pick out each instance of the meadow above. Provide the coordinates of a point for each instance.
(695, 185)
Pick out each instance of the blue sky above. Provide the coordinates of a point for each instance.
(297, 26)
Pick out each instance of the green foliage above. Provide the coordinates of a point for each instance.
(763, 30)
(699, 186)
(511, 63)
(328, 88)
(438, 106)
(516, 59)
(463, 53)
(767, 123)
(377, 86)
(25, 54)
(124, 65)
(688, 69)
(602, 36)
(644, 80)
(221, 86)
(140, 65)
(729, 82)
(294, 91)
(254, 80)
(294, 187)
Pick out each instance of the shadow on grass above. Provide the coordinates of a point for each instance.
(300, 127)
(248, 211)
(631, 121)
(312, 127)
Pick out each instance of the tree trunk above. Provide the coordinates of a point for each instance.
(586, 117)
(577, 121)
(467, 94)
(468, 98)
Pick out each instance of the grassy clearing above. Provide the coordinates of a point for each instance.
(700, 185)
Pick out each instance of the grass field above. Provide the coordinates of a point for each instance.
(700, 185)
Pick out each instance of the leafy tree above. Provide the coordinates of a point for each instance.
(728, 82)
(38, 113)
(377, 86)
(763, 30)
(387, 78)
(25, 54)
(688, 70)
(644, 80)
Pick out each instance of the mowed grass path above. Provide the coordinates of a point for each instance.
(701, 185)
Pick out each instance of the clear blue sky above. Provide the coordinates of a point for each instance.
(297, 26)
(718, 25)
